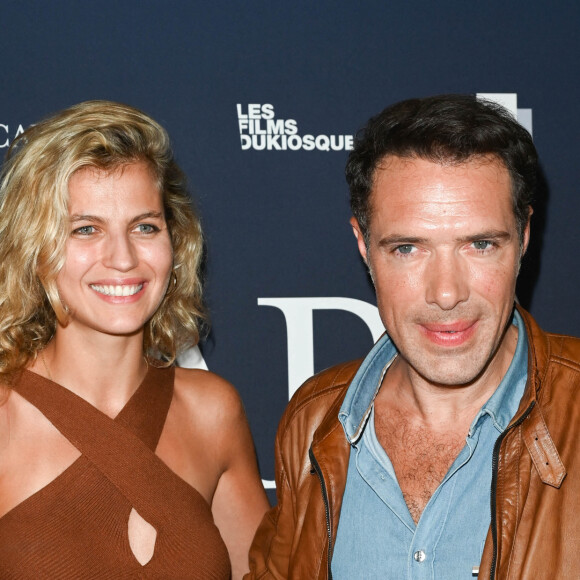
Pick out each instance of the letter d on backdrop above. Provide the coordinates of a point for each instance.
(299, 327)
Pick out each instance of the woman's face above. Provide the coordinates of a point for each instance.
(118, 256)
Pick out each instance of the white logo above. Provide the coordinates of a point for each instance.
(510, 102)
(300, 333)
(6, 131)
(192, 359)
(260, 130)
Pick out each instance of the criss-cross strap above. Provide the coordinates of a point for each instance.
(146, 411)
(122, 448)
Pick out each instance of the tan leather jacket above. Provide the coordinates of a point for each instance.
(535, 493)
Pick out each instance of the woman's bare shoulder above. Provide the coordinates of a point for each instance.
(207, 396)
(238, 501)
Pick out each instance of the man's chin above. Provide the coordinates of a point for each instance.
(455, 374)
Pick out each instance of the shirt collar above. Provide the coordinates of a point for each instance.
(358, 402)
(363, 389)
(504, 402)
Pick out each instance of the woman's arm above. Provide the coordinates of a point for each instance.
(211, 447)
(239, 501)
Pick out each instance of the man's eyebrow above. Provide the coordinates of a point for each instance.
(401, 240)
(487, 235)
(397, 239)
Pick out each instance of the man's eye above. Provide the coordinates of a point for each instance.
(405, 249)
(84, 231)
(482, 245)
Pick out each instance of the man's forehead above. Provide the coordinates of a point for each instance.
(417, 188)
(395, 170)
(394, 162)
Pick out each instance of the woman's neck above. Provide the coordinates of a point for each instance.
(104, 370)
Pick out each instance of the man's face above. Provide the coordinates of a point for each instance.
(444, 255)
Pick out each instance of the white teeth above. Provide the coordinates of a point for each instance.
(110, 290)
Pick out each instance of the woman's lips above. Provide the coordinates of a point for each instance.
(117, 289)
(117, 292)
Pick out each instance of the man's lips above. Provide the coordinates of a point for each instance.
(458, 326)
(449, 334)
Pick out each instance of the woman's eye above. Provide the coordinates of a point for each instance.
(84, 231)
(147, 228)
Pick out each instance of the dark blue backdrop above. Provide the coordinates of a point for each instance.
(277, 220)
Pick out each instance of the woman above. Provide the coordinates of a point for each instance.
(113, 463)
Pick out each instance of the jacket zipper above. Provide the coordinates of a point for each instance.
(318, 471)
(493, 498)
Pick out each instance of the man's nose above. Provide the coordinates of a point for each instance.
(447, 281)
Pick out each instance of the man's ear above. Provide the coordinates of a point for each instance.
(526, 236)
(362, 247)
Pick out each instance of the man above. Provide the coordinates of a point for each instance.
(388, 468)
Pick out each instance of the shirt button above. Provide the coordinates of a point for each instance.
(419, 556)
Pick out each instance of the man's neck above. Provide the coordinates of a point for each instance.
(438, 405)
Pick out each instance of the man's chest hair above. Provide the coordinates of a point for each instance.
(421, 456)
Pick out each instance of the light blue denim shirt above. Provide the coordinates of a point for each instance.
(377, 537)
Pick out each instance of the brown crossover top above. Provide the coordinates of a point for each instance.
(77, 525)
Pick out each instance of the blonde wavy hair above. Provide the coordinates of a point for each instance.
(34, 226)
